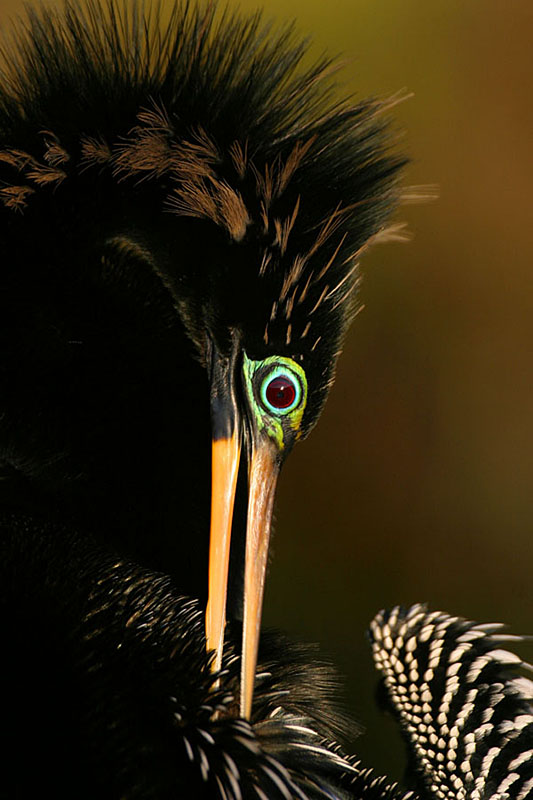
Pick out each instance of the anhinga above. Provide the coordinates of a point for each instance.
(182, 211)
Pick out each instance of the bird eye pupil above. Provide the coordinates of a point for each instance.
(280, 392)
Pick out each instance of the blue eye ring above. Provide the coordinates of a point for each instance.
(284, 384)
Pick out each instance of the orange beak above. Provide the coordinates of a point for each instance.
(262, 477)
(263, 471)
(224, 470)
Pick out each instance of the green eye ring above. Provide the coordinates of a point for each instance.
(281, 391)
(279, 416)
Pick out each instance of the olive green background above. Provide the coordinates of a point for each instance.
(416, 484)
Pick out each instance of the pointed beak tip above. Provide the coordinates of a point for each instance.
(263, 470)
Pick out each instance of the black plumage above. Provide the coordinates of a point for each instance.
(111, 693)
(180, 203)
(182, 207)
(179, 165)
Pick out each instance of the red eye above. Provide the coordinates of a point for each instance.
(280, 392)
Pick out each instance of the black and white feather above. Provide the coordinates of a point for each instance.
(465, 708)
(119, 699)
(166, 181)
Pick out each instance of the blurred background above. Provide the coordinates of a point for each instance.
(417, 483)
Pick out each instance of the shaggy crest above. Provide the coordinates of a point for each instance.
(211, 119)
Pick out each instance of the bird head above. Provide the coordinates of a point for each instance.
(197, 151)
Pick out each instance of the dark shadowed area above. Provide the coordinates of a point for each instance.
(416, 484)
